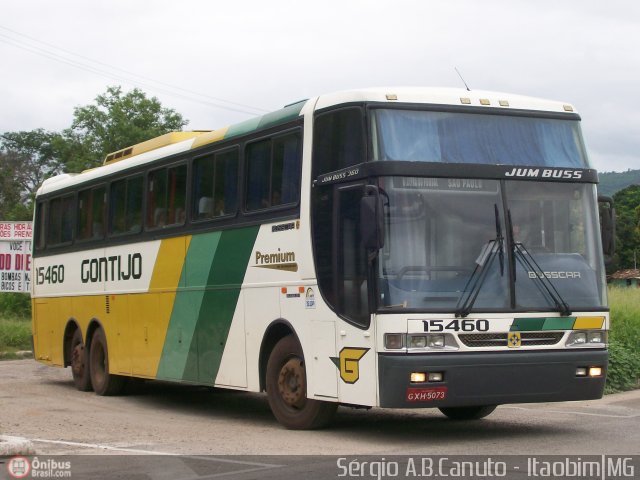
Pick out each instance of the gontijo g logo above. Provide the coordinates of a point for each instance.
(349, 363)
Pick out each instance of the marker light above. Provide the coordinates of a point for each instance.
(435, 377)
(393, 341)
(418, 377)
(581, 372)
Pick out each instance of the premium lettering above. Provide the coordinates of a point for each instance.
(270, 258)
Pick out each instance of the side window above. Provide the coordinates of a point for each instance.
(215, 185)
(39, 233)
(338, 140)
(60, 221)
(91, 214)
(126, 206)
(166, 197)
(273, 172)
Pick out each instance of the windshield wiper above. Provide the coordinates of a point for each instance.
(483, 263)
(545, 285)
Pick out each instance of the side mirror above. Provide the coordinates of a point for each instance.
(607, 226)
(372, 219)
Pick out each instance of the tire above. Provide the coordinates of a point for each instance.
(468, 413)
(80, 363)
(287, 389)
(104, 383)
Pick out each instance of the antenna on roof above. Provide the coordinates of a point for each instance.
(465, 83)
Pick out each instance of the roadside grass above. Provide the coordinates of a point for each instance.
(15, 335)
(624, 340)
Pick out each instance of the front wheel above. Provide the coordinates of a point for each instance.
(468, 413)
(287, 389)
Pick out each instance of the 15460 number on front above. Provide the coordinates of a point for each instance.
(456, 325)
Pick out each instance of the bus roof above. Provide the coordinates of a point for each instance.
(392, 95)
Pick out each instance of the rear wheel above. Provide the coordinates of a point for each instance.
(287, 389)
(80, 363)
(468, 413)
(104, 383)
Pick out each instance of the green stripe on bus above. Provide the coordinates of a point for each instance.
(527, 324)
(219, 303)
(272, 119)
(559, 323)
(210, 304)
(187, 305)
(542, 323)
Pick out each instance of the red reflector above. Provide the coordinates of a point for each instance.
(426, 394)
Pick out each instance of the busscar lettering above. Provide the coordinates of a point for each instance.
(111, 269)
(555, 275)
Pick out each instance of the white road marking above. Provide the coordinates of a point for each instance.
(572, 412)
(254, 466)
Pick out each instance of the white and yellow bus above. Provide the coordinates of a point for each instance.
(383, 248)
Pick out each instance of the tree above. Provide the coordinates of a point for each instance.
(627, 204)
(116, 120)
(26, 160)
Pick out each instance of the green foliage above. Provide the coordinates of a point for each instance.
(627, 204)
(116, 120)
(15, 334)
(624, 339)
(624, 368)
(15, 305)
(612, 182)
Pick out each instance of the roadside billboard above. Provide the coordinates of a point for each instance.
(15, 256)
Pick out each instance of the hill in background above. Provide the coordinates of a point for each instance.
(612, 182)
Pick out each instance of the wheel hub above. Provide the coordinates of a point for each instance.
(291, 383)
(77, 359)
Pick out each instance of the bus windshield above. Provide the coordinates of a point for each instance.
(439, 231)
(450, 137)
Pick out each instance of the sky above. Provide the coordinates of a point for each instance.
(218, 63)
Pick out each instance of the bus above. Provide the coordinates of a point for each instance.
(400, 248)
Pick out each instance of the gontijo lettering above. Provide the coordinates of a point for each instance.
(111, 269)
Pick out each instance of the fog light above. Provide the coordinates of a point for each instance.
(418, 377)
(436, 341)
(581, 372)
(393, 341)
(435, 377)
(595, 371)
(418, 341)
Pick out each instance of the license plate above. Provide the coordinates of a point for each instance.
(426, 394)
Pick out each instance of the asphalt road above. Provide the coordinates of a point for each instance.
(41, 404)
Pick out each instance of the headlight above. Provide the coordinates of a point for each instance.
(417, 341)
(587, 338)
(436, 341)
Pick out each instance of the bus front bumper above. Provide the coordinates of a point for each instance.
(490, 378)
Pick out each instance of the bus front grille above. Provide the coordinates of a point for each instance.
(529, 339)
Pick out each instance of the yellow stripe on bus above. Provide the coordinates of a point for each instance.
(169, 263)
(584, 323)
